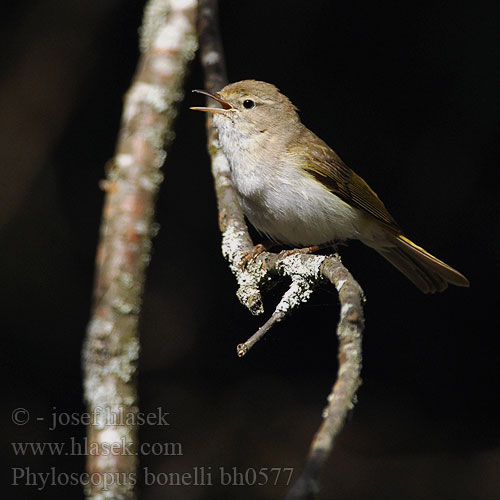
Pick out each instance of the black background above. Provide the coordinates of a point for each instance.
(407, 94)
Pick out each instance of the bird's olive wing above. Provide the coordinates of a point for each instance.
(325, 166)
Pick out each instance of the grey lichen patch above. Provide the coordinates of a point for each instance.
(99, 327)
(141, 227)
(232, 245)
(191, 47)
(124, 160)
(154, 95)
(298, 293)
(151, 181)
(302, 265)
(155, 229)
(114, 175)
(124, 306)
(128, 401)
(248, 276)
(211, 57)
(349, 330)
(165, 67)
(124, 366)
(251, 298)
(103, 394)
(249, 280)
(170, 134)
(175, 37)
(303, 270)
(154, 18)
(220, 165)
(345, 309)
(101, 382)
(160, 157)
(126, 280)
(340, 284)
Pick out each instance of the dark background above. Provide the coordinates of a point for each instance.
(407, 94)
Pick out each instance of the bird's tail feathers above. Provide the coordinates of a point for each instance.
(425, 271)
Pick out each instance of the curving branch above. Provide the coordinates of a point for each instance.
(111, 350)
(342, 396)
(305, 272)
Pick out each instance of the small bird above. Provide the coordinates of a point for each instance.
(296, 190)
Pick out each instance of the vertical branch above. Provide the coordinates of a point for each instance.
(211, 49)
(111, 350)
(308, 269)
(236, 242)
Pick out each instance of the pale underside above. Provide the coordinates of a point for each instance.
(284, 202)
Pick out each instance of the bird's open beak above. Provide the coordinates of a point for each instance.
(225, 105)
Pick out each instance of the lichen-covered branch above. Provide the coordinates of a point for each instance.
(111, 350)
(236, 242)
(305, 272)
(342, 396)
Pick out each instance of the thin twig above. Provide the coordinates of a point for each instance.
(305, 271)
(276, 317)
(111, 348)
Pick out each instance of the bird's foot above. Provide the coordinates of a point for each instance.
(267, 245)
(256, 250)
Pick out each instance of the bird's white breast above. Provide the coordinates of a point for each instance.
(280, 199)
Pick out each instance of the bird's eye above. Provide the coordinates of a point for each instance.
(248, 104)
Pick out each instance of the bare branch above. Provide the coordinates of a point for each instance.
(276, 317)
(212, 52)
(305, 272)
(112, 345)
